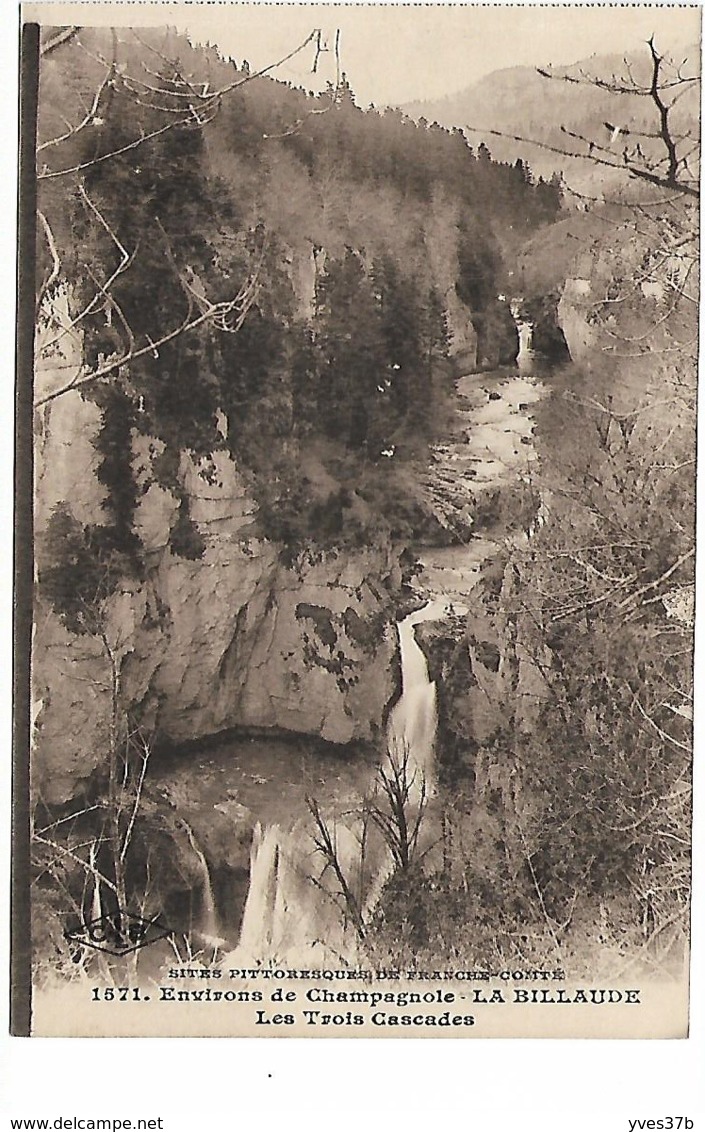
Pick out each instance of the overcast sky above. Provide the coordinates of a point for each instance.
(398, 54)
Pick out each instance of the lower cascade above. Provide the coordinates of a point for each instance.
(289, 910)
(209, 926)
(261, 918)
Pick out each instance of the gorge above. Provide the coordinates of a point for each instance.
(354, 609)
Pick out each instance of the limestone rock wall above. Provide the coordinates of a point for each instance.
(235, 638)
(485, 667)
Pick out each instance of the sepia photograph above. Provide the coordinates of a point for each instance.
(355, 520)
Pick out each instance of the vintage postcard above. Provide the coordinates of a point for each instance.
(356, 408)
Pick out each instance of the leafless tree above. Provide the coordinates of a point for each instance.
(325, 844)
(662, 157)
(399, 808)
(186, 105)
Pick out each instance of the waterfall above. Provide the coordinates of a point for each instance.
(411, 733)
(525, 330)
(96, 903)
(526, 337)
(289, 911)
(209, 927)
(257, 932)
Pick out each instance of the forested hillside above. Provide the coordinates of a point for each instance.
(513, 102)
(349, 251)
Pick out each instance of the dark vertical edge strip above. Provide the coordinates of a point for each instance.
(697, 883)
(21, 943)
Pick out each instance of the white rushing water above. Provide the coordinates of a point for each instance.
(293, 908)
(525, 357)
(525, 330)
(259, 915)
(208, 926)
(411, 733)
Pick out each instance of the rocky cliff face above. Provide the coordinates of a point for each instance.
(497, 336)
(233, 639)
(488, 681)
(463, 336)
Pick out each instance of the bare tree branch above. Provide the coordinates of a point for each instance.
(55, 261)
(65, 851)
(325, 845)
(126, 259)
(90, 115)
(209, 103)
(667, 172)
(657, 582)
(400, 822)
(62, 36)
(218, 313)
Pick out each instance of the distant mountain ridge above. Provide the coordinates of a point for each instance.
(520, 101)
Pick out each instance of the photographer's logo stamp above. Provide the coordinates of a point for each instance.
(118, 933)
